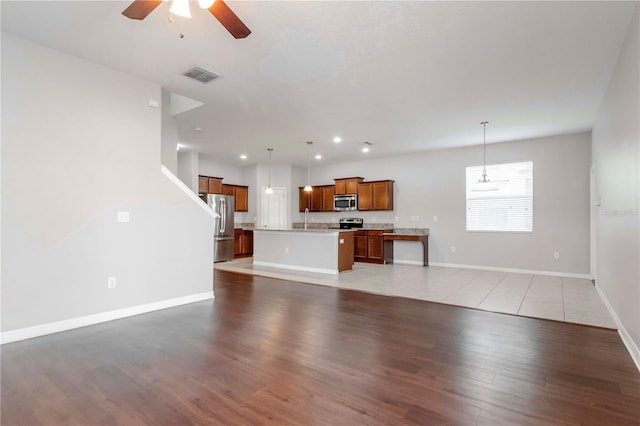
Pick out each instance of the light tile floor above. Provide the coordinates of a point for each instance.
(539, 296)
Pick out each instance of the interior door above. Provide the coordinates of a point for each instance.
(274, 208)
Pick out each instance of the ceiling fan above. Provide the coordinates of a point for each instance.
(139, 10)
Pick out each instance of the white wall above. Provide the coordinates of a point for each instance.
(433, 184)
(188, 169)
(77, 147)
(169, 136)
(209, 166)
(616, 156)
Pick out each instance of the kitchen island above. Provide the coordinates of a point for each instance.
(325, 251)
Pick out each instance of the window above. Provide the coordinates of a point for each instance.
(505, 204)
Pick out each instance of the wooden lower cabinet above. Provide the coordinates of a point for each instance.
(360, 246)
(369, 246)
(242, 242)
(375, 246)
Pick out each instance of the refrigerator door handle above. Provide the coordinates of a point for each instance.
(223, 220)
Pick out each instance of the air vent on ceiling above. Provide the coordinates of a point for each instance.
(200, 74)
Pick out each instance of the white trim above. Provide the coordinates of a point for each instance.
(408, 262)
(514, 270)
(70, 324)
(296, 268)
(184, 188)
(631, 346)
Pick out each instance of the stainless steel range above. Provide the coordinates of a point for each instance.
(351, 222)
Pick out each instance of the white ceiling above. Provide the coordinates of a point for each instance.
(406, 76)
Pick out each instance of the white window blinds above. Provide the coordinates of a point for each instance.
(505, 203)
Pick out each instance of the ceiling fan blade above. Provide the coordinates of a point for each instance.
(229, 20)
(139, 9)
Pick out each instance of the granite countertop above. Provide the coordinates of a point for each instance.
(411, 231)
(310, 231)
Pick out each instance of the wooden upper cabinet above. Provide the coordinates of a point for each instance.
(305, 199)
(320, 199)
(242, 198)
(382, 194)
(215, 185)
(209, 185)
(347, 185)
(241, 194)
(327, 198)
(316, 199)
(228, 189)
(365, 197)
(203, 185)
(375, 195)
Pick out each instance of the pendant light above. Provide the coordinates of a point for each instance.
(307, 187)
(484, 184)
(269, 190)
(180, 8)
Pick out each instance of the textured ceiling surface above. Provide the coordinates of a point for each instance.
(406, 76)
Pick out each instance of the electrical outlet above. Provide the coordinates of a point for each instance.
(123, 217)
(111, 282)
(286, 250)
(556, 255)
(453, 249)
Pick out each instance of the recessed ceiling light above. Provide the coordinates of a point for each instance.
(197, 129)
(318, 157)
(243, 157)
(337, 139)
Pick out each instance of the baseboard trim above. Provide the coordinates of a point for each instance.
(296, 268)
(408, 262)
(70, 324)
(514, 270)
(631, 346)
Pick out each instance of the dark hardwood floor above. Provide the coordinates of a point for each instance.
(278, 352)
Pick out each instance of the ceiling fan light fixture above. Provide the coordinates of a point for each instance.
(180, 8)
(366, 146)
(206, 4)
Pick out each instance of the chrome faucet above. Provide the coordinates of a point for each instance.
(306, 213)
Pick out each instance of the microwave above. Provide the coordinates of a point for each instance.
(345, 203)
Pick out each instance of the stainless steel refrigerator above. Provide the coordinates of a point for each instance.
(223, 207)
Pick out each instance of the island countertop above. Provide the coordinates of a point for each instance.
(327, 251)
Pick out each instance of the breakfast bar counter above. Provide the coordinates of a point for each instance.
(326, 251)
(421, 236)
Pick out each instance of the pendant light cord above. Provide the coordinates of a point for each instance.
(484, 147)
(309, 163)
